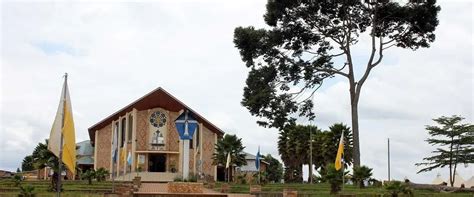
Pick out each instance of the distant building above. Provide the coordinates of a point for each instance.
(84, 162)
(249, 170)
(6, 174)
(84, 155)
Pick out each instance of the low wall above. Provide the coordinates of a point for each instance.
(185, 187)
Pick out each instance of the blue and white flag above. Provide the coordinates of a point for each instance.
(129, 158)
(257, 159)
(115, 145)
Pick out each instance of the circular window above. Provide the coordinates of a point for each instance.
(158, 119)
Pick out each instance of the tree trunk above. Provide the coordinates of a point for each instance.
(355, 129)
(310, 177)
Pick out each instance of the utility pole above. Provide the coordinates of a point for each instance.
(388, 151)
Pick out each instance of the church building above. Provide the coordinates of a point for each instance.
(147, 132)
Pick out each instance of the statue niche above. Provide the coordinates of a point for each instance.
(157, 129)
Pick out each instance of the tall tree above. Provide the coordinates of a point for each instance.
(293, 147)
(309, 41)
(274, 169)
(455, 145)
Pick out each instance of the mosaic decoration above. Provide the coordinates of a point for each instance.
(158, 119)
(142, 130)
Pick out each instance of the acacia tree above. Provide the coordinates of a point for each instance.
(312, 40)
(455, 143)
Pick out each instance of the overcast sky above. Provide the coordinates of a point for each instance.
(117, 52)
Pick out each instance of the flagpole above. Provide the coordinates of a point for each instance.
(342, 161)
(258, 155)
(58, 185)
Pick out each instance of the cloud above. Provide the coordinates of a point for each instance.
(117, 52)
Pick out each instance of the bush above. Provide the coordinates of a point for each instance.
(17, 178)
(27, 191)
(178, 179)
(375, 182)
(101, 174)
(361, 174)
(334, 178)
(396, 187)
(89, 175)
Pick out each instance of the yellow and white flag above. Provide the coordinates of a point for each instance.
(227, 164)
(340, 152)
(64, 124)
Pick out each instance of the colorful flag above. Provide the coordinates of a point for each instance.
(340, 152)
(129, 158)
(257, 159)
(227, 165)
(63, 126)
(123, 155)
(115, 144)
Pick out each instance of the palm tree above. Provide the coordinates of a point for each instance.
(293, 147)
(361, 174)
(42, 157)
(229, 144)
(330, 143)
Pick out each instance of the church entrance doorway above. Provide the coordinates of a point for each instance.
(157, 163)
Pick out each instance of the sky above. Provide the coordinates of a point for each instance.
(116, 52)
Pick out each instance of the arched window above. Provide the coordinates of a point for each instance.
(130, 128)
(122, 132)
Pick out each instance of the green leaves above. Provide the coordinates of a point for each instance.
(229, 144)
(361, 174)
(455, 144)
(290, 59)
(294, 147)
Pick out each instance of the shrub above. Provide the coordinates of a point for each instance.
(89, 175)
(178, 179)
(375, 182)
(27, 191)
(361, 174)
(396, 187)
(334, 178)
(101, 174)
(192, 178)
(17, 178)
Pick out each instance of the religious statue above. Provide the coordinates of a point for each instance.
(158, 138)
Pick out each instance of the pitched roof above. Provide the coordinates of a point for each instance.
(249, 156)
(84, 148)
(156, 98)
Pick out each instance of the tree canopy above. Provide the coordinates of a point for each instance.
(454, 142)
(294, 148)
(229, 144)
(274, 169)
(309, 41)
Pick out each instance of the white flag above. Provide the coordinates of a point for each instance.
(228, 161)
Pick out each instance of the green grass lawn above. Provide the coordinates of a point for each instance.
(81, 188)
(70, 188)
(322, 189)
